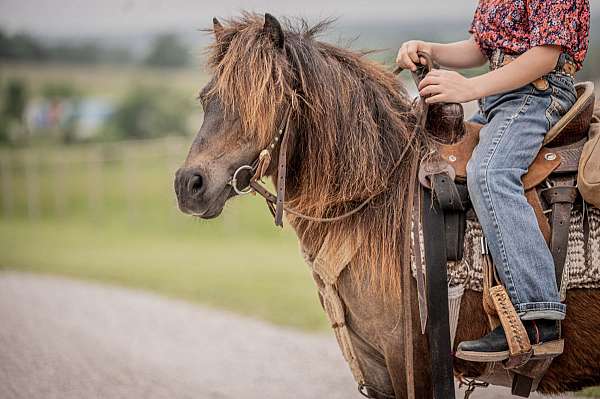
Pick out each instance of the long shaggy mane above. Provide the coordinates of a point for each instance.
(352, 119)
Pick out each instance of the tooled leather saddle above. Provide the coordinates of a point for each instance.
(550, 188)
(549, 184)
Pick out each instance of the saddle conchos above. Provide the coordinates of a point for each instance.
(564, 175)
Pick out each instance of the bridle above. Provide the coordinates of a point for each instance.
(282, 138)
(260, 166)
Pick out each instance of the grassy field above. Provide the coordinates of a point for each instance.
(249, 275)
(119, 224)
(107, 212)
(590, 393)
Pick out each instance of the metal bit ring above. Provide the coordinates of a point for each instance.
(234, 180)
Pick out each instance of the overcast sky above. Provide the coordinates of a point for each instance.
(117, 17)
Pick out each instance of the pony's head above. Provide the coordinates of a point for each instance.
(351, 118)
(242, 103)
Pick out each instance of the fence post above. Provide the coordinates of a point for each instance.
(7, 185)
(60, 201)
(32, 185)
(130, 182)
(95, 161)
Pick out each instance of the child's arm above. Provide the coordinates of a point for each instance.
(452, 87)
(464, 54)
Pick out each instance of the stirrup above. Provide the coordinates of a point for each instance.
(548, 349)
(519, 347)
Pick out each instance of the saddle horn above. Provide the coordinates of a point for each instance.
(427, 67)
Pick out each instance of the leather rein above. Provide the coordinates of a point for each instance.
(276, 202)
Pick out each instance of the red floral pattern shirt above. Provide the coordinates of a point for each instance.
(516, 26)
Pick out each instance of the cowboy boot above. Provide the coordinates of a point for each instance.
(493, 347)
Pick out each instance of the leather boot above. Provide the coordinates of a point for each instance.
(493, 347)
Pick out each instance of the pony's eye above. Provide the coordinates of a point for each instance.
(204, 96)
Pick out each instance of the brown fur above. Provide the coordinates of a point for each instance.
(352, 120)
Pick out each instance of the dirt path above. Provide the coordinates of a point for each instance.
(65, 339)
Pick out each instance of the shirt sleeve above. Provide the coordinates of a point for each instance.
(474, 30)
(553, 22)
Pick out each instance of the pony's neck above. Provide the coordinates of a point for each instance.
(348, 137)
(353, 120)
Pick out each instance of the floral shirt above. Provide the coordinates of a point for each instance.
(516, 26)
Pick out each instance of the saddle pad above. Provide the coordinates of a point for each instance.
(582, 267)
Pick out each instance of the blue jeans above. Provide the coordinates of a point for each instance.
(515, 125)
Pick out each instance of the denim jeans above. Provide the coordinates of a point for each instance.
(515, 125)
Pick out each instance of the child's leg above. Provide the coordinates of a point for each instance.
(517, 123)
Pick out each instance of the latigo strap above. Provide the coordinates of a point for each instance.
(561, 198)
(438, 327)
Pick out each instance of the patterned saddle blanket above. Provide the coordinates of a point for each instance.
(582, 267)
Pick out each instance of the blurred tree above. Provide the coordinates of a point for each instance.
(58, 91)
(81, 53)
(3, 132)
(149, 112)
(89, 53)
(168, 51)
(20, 47)
(12, 115)
(15, 100)
(23, 47)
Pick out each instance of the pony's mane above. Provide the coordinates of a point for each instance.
(352, 120)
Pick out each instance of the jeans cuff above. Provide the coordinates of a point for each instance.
(541, 310)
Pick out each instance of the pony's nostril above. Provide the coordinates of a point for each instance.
(195, 184)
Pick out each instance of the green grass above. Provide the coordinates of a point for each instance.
(107, 213)
(590, 393)
(130, 233)
(249, 275)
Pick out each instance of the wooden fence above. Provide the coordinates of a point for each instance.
(41, 181)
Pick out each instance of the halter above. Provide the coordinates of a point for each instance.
(275, 202)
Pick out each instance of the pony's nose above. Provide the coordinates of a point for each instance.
(189, 182)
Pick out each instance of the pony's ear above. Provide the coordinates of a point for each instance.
(272, 28)
(217, 29)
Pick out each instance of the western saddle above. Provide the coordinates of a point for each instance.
(550, 187)
(558, 161)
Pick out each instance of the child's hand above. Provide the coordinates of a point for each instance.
(448, 87)
(407, 55)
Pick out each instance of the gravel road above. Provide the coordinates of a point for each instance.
(65, 339)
